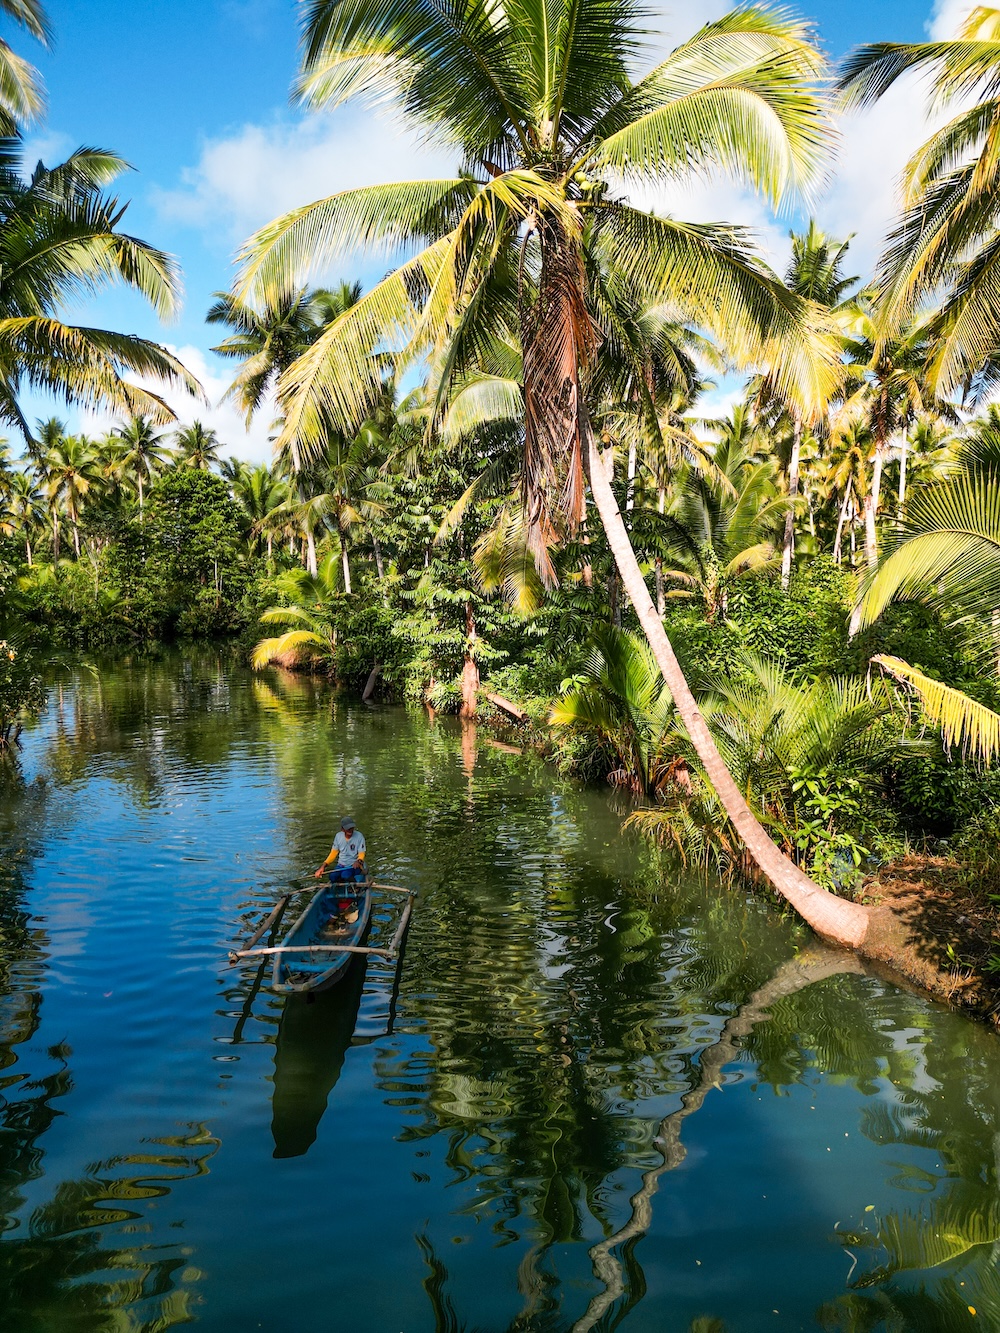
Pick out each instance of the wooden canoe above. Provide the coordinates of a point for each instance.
(317, 971)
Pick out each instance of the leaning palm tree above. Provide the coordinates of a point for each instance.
(542, 105)
(945, 245)
(59, 237)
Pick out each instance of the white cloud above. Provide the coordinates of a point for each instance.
(261, 171)
(225, 419)
(946, 17)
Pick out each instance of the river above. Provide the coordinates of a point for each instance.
(596, 1097)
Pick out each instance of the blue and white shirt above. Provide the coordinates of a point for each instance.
(348, 849)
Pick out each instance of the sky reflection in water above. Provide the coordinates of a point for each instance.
(598, 1100)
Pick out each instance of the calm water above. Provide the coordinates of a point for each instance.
(597, 1099)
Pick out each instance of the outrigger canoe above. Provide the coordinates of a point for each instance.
(297, 967)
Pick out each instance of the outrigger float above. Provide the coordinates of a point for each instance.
(317, 951)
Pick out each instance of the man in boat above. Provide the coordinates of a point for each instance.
(347, 866)
(347, 855)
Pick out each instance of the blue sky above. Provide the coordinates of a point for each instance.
(194, 94)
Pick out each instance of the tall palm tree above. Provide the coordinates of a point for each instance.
(261, 494)
(543, 107)
(72, 469)
(198, 447)
(889, 393)
(269, 337)
(143, 453)
(25, 506)
(946, 245)
(816, 272)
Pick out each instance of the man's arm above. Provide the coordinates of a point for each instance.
(328, 862)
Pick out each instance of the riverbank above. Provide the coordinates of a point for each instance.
(933, 927)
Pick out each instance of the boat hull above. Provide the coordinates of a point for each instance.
(301, 972)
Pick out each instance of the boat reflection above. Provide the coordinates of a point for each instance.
(314, 1034)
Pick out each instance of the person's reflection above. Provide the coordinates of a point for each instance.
(313, 1036)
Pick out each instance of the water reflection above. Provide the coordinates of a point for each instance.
(314, 1034)
(509, 1150)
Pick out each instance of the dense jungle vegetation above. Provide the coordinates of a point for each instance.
(494, 473)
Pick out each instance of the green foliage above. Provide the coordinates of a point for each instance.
(21, 691)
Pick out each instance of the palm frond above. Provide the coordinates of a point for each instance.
(964, 723)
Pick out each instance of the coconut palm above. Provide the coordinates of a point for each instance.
(888, 390)
(543, 107)
(197, 446)
(59, 238)
(311, 639)
(726, 522)
(25, 507)
(21, 95)
(269, 337)
(142, 453)
(72, 468)
(622, 702)
(945, 244)
(261, 494)
(815, 271)
(799, 751)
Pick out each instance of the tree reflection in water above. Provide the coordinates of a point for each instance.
(556, 991)
(58, 1270)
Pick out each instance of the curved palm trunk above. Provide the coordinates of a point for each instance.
(345, 564)
(834, 918)
(813, 965)
(788, 541)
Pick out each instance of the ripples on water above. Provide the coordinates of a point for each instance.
(595, 1099)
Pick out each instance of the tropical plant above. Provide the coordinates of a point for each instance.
(805, 754)
(311, 639)
(946, 554)
(142, 453)
(197, 447)
(945, 245)
(71, 469)
(618, 698)
(59, 238)
(268, 338)
(544, 109)
(21, 96)
(725, 522)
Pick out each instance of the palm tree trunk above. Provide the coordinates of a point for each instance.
(872, 500)
(470, 670)
(661, 597)
(311, 565)
(376, 547)
(27, 548)
(139, 479)
(902, 473)
(788, 542)
(838, 541)
(345, 564)
(834, 918)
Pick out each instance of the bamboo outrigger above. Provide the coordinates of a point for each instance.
(299, 962)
